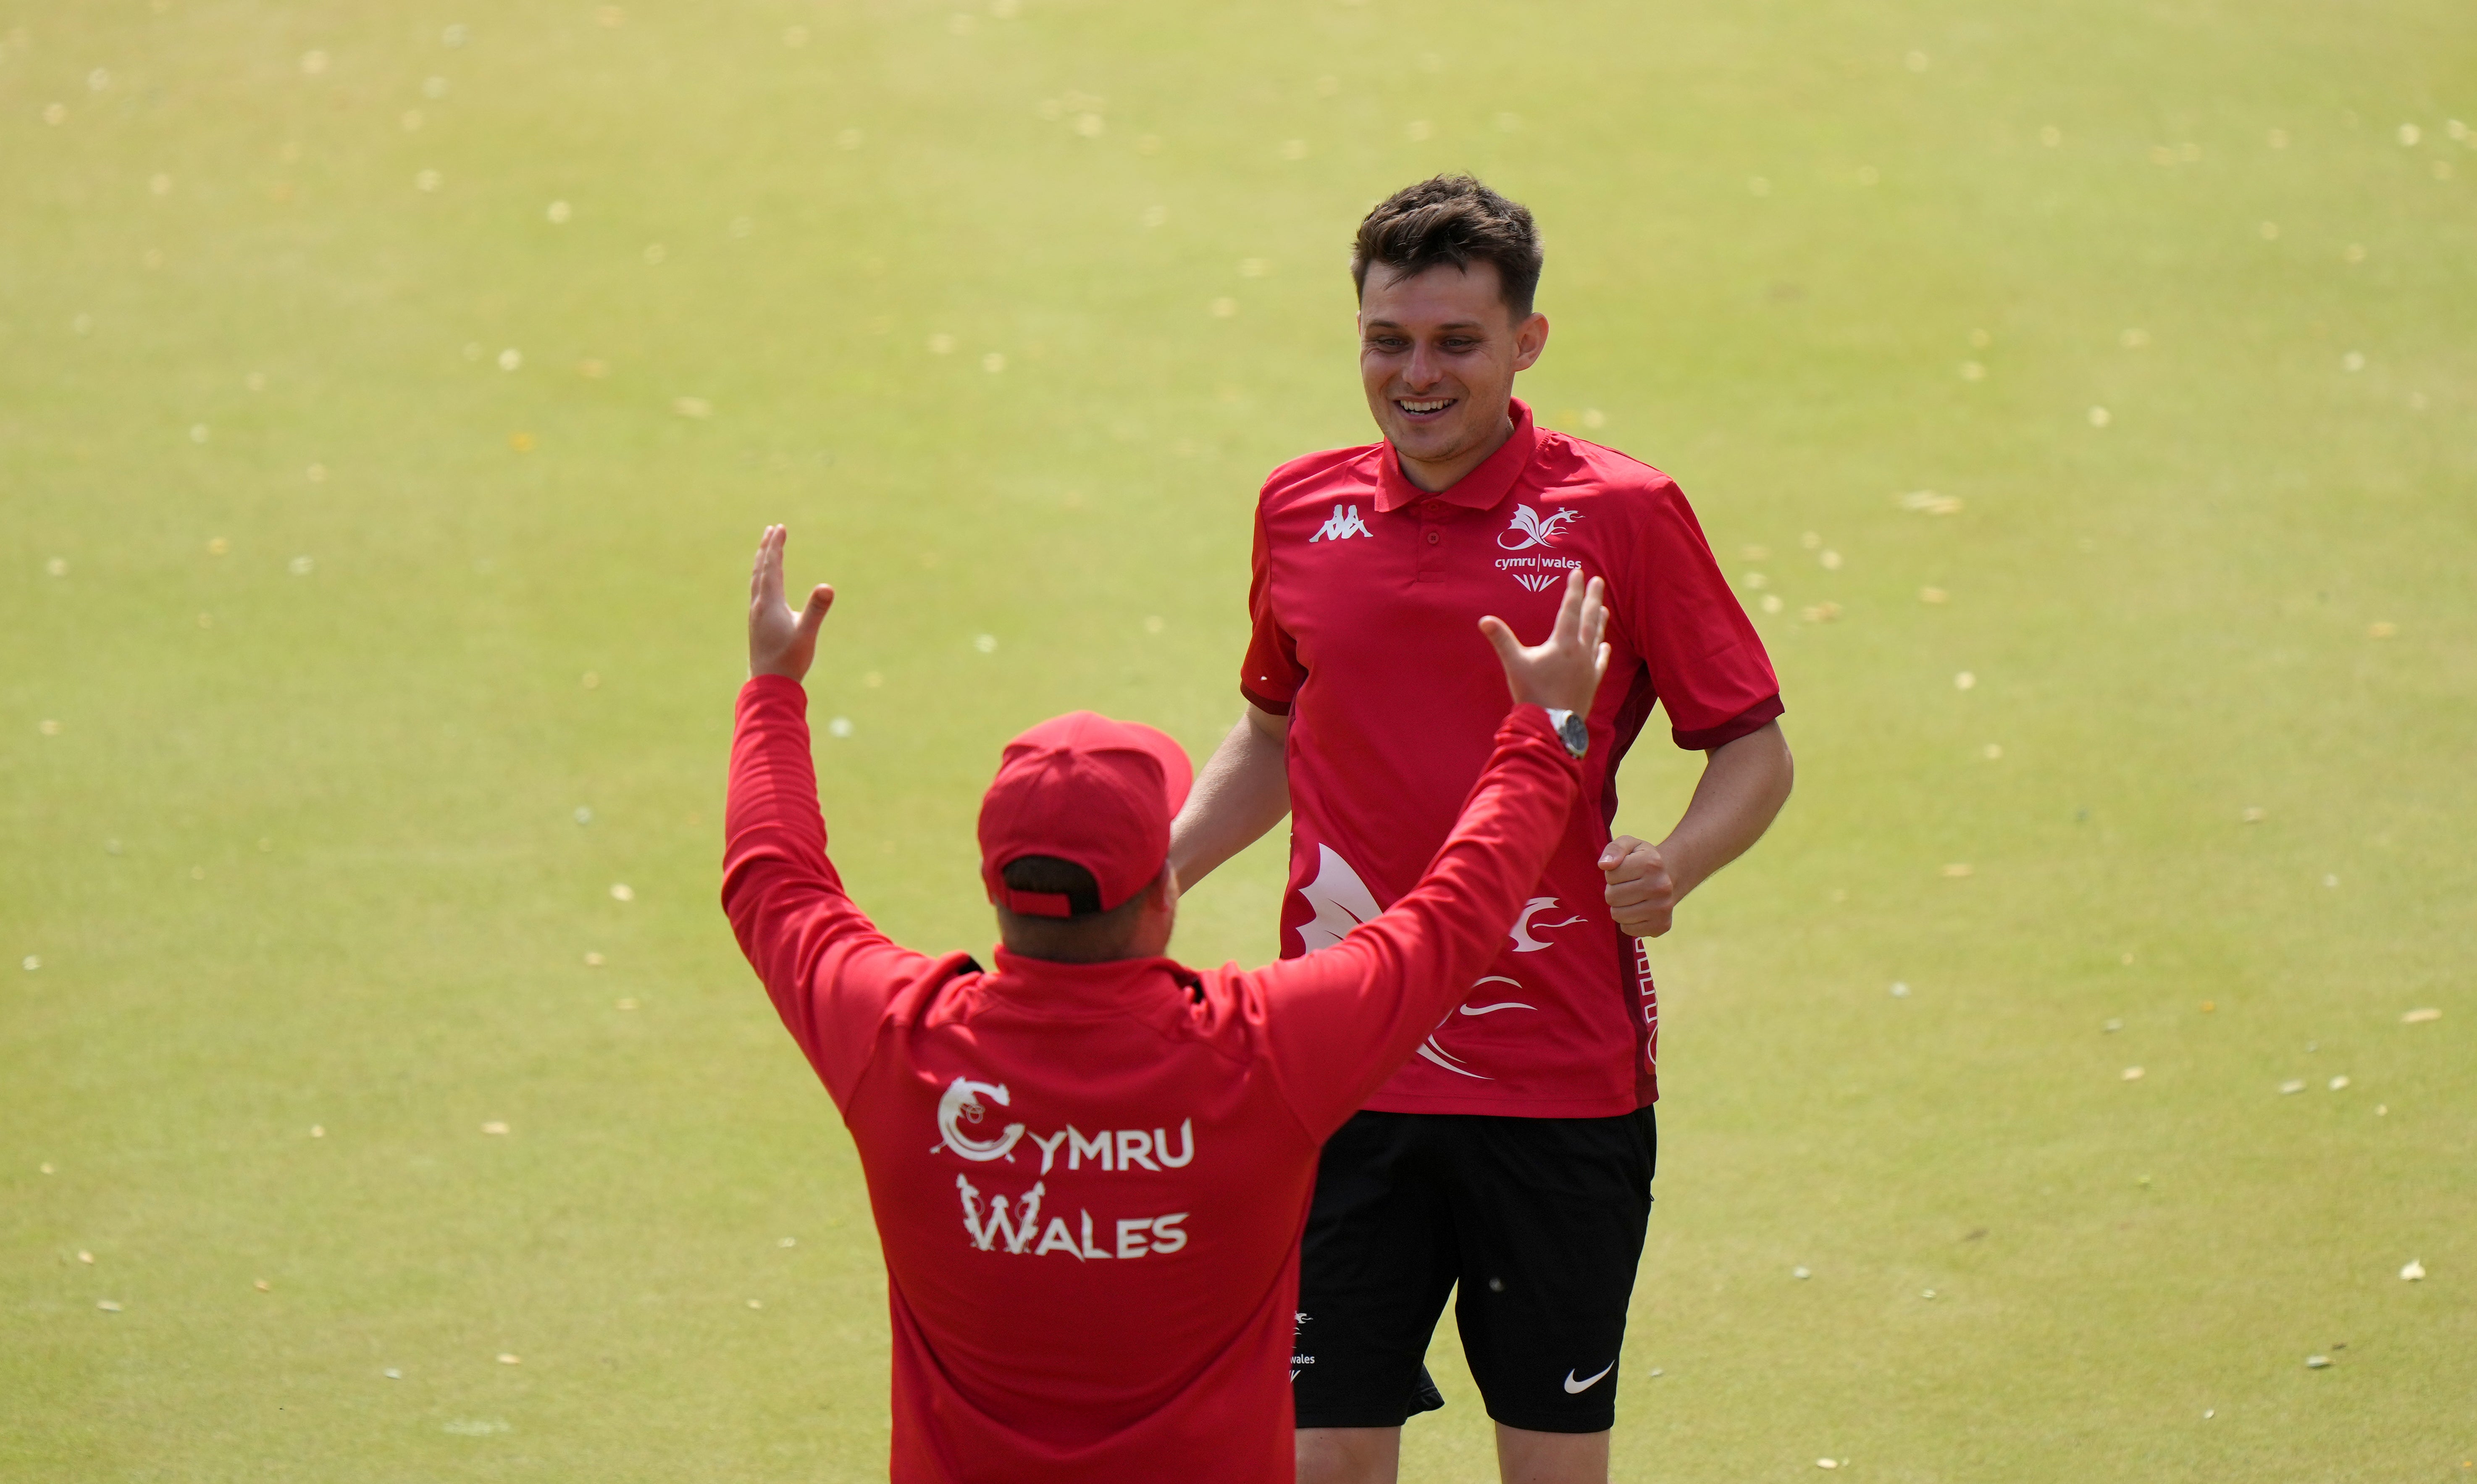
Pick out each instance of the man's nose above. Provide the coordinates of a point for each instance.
(1423, 371)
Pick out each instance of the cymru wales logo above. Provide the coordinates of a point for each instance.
(1532, 529)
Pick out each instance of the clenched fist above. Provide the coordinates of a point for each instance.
(1641, 894)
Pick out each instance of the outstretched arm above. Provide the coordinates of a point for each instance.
(826, 966)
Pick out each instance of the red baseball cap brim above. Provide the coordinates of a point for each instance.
(1083, 789)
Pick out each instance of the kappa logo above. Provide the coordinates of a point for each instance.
(1532, 529)
(1524, 942)
(1343, 524)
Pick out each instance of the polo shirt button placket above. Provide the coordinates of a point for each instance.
(1431, 560)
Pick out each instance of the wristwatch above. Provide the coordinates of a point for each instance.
(1571, 730)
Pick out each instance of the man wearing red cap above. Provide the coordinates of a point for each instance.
(1089, 1166)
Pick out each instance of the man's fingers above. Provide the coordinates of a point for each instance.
(1638, 866)
(1569, 608)
(769, 567)
(1632, 898)
(1595, 612)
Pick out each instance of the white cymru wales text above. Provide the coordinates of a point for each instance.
(1137, 1236)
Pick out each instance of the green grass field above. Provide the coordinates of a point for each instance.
(366, 520)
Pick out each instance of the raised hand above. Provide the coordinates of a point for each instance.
(780, 641)
(1562, 673)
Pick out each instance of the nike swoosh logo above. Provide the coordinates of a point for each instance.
(1574, 1388)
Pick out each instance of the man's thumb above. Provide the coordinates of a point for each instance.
(820, 598)
(1508, 648)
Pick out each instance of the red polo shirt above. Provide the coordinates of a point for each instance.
(1366, 596)
(1089, 1180)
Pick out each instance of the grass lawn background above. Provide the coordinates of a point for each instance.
(321, 628)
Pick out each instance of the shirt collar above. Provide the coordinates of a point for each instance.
(1479, 489)
(1113, 985)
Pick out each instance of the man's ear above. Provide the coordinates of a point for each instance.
(1530, 339)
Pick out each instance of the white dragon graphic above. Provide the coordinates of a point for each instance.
(1535, 529)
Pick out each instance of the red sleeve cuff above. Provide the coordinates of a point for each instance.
(761, 684)
(1264, 703)
(1754, 718)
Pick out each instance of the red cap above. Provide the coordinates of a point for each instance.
(1085, 788)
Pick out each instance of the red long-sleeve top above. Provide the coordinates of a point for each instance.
(1089, 1179)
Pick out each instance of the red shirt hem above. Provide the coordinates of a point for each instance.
(1264, 703)
(1745, 723)
(1498, 1106)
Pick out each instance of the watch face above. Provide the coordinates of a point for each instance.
(1573, 733)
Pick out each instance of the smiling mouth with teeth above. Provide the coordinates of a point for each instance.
(1416, 409)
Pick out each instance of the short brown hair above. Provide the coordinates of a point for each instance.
(1090, 934)
(1455, 219)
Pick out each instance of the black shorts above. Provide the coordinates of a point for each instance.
(1541, 1223)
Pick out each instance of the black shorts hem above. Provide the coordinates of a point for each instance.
(1566, 1422)
(1424, 1398)
(1353, 1420)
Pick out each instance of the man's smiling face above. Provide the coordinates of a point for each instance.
(1438, 351)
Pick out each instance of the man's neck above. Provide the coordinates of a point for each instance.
(1439, 476)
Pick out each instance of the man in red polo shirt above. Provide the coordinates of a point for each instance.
(1089, 1166)
(1513, 1155)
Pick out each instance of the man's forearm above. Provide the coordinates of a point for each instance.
(1243, 791)
(1743, 785)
